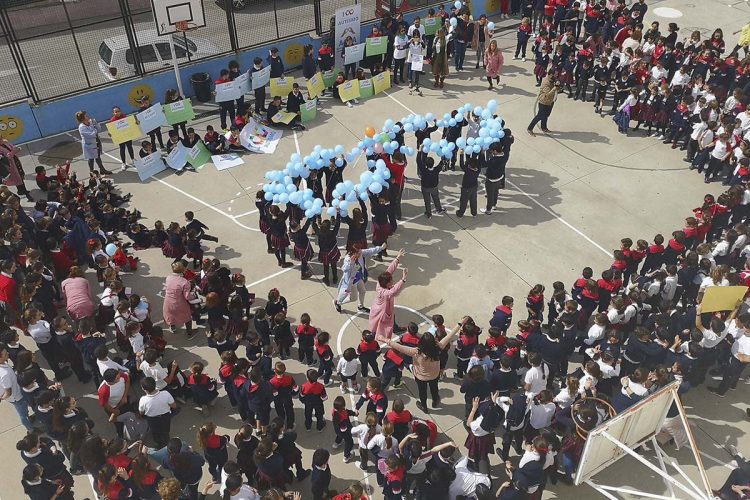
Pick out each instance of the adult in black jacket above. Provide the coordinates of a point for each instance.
(428, 179)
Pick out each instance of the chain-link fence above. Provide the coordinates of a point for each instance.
(53, 48)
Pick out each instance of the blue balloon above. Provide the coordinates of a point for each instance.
(268, 196)
(388, 124)
(500, 134)
(470, 141)
(426, 143)
(308, 204)
(461, 142)
(386, 174)
(454, 22)
(380, 164)
(478, 110)
(309, 214)
(408, 127)
(363, 196)
(429, 117)
(457, 4)
(491, 26)
(376, 187)
(291, 188)
(283, 198)
(110, 249)
(492, 104)
(339, 149)
(344, 205)
(339, 162)
(331, 211)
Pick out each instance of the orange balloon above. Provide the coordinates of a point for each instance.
(369, 132)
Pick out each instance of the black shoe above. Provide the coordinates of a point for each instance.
(337, 306)
(422, 407)
(363, 309)
(436, 405)
(715, 390)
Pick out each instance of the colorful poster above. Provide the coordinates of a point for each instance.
(347, 24)
(198, 155)
(354, 54)
(417, 62)
(329, 77)
(381, 82)
(229, 160)
(259, 138)
(283, 117)
(149, 166)
(376, 46)
(177, 158)
(243, 82)
(124, 130)
(722, 298)
(180, 111)
(228, 91)
(431, 25)
(315, 85)
(365, 89)
(308, 110)
(281, 86)
(261, 77)
(151, 118)
(349, 90)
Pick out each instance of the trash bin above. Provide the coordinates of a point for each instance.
(201, 86)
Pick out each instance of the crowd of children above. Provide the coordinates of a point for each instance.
(617, 338)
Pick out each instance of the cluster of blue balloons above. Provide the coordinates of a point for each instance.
(281, 188)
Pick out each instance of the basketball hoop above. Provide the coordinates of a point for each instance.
(183, 26)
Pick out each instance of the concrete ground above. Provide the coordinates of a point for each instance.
(571, 196)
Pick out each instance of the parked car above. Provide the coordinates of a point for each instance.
(116, 57)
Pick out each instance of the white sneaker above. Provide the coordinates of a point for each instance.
(515, 58)
(123, 167)
(356, 101)
(349, 104)
(488, 211)
(523, 59)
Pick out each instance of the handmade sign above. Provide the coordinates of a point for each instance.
(281, 86)
(329, 77)
(381, 82)
(243, 83)
(722, 298)
(178, 112)
(316, 85)
(229, 160)
(124, 130)
(417, 62)
(198, 155)
(177, 158)
(149, 166)
(259, 138)
(283, 117)
(349, 90)
(431, 25)
(261, 77)
(151, 118)
(354, 53)
(228, 91)
(376, 46)
(308, 111)
(366, 89)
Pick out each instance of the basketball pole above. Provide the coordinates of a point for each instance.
(175, 65)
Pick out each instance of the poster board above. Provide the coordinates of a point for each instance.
(149, 166)
(722, 298)
(151, 118)
(124, 130)
(178, 112)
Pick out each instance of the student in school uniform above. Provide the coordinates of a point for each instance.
(156, 406)
(260, 93)
(313, 394)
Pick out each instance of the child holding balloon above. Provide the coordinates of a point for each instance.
(302, 248)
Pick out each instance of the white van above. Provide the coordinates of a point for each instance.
(116, 57)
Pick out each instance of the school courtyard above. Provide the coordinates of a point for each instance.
(571, 195)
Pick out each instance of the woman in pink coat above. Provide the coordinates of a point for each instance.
(381, 312)
(77, 294)
(12, 169)
(178, 296)
(493, 60)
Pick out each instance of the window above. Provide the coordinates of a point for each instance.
(105, 53)
(147, 53)
(166, 53)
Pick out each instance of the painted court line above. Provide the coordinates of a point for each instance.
(553, 214)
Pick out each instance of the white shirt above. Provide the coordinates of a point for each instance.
(720, 150)
(711, 339)
(157, 372)
(698, 129)
(136, 342)
(109, 298)
(107, 364)
(595, 334)
(414, 28)
(608, 371)
(360, 432)
(670, 287)
(348, 368)
(466, 480)
(721, 249)
(400, 47)
(380, 441)
(8, 380)
(744, 121)
(154, 405)
(541, 415)
(741, 346)
(245, 493)
(116, 392)
(657, 75)
(680, 79)
(533, 456)
(706, 139)
(536, 377)
(476, 427)
(583, 381)
(564, 399)
(40, 332)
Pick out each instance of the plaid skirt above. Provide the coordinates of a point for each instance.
(480, 447)
(236, 328)
(279, 242)
(331, 256)
(195, 255)
(173, 252)
(362, 244)
(566, 77)
(540, 70)
(263, 226)
(303, 253)
(381, 232)
(646, 112)
(661, 117)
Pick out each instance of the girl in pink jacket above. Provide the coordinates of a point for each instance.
(381, 312)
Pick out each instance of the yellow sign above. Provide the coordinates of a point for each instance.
(124, 130)
(722, 298)
(281, 86)
(349, 90)
(11, 128)
(381, 81)
(283, 117)
(140, 92)
(316, 85)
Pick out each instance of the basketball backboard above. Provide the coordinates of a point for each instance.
(167, 13)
